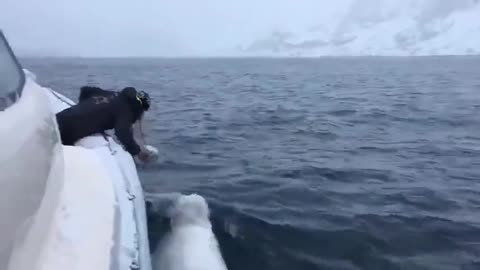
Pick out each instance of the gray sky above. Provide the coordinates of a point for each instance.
(152, 27)
(181, 27)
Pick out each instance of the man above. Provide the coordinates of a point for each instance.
(101, 95)
(100, 110)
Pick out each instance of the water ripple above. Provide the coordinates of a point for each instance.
(332, 163)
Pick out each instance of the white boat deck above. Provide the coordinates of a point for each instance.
(92, 215)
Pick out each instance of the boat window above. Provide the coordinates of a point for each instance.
(12, 77)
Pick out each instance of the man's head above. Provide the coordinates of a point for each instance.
(139, 97)
(144, 100)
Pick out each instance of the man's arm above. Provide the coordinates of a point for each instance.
(123, 131)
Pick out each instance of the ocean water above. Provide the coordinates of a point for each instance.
(329, 163)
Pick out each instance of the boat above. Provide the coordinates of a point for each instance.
(62, 207)
(82, 206)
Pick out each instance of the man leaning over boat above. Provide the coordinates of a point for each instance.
(99, 110)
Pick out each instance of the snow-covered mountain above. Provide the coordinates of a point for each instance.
(382, 27)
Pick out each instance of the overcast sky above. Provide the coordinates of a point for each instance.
(152, 27)
(168, 28)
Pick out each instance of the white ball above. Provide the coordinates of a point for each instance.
(153, 152)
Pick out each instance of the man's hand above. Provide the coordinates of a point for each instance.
(144, 155)
(147, 154)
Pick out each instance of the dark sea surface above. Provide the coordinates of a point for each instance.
(330, 163)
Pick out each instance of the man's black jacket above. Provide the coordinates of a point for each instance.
(98, 114)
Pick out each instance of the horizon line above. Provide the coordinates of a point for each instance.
(240, 57)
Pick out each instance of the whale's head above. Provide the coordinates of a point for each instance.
(190, 210)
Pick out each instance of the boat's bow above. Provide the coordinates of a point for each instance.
(68, 207)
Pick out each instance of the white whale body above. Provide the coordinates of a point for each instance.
(191, 244)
